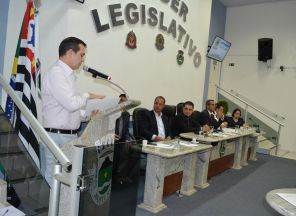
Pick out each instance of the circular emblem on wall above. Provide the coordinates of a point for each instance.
(180, 57)
(159, 42)
(131, 40)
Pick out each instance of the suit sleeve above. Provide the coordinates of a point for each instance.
(242, 122)
(144, 127)
(175, 126)
(195, 127)
(203, 119)
(167, 127)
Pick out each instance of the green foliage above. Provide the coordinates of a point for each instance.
(225, 105)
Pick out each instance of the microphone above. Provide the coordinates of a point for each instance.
(255, 125)
(96, 73)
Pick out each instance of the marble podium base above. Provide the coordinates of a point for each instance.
(188, 193)
(192, 161)
(202, 186)
(152, 209)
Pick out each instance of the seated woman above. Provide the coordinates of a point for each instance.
(235, 119)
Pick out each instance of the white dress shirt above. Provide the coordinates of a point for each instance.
(211, 113)
(160, 126)
(60, 103)
(216, 118)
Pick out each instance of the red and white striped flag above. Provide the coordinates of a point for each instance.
(25, 83)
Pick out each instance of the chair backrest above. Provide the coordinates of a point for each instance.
(180, 108)
(170, 112)
(138, 117)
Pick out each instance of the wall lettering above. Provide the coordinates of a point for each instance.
(133, 14)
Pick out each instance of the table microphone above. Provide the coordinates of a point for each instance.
(96, 73)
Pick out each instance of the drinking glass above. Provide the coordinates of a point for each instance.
(201, 133)
(236, 129)
(211, 130)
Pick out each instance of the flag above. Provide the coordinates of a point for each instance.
(23, 81)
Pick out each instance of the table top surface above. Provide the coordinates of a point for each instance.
(279, 204)
(227, 134)
(175, 148)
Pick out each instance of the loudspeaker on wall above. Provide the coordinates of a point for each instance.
(264, 49)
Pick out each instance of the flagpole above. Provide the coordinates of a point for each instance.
(37, 3)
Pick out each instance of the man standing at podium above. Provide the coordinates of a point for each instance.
(61, 104)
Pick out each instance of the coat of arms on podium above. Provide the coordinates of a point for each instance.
(100, 187)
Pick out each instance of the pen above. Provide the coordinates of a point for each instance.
(5, 212)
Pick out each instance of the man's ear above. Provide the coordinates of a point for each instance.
(69, 52)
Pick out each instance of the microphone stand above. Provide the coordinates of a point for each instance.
(109, 81)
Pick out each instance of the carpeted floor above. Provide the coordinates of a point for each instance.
(234, 192)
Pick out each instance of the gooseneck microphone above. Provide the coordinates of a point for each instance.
(96, 73)
(99, 75)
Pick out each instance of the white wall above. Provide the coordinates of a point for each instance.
(270, 88)
(145, 72)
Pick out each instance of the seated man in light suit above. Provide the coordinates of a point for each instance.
(155, 126)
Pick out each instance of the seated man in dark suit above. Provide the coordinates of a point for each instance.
(184, 122)
(155, 126)
(211, 118)
(206, 117)
(219, 121)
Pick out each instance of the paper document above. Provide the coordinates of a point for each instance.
(11, 211)
(289, 197)
(228, 130)
(167, 146)
(100, 104)
(188, 144)
(216, 134)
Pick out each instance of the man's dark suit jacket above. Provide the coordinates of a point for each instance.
(205, 118)
(148, 126)
(216, 123)
(184, 124)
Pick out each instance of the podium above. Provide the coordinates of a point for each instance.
(86, 189)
